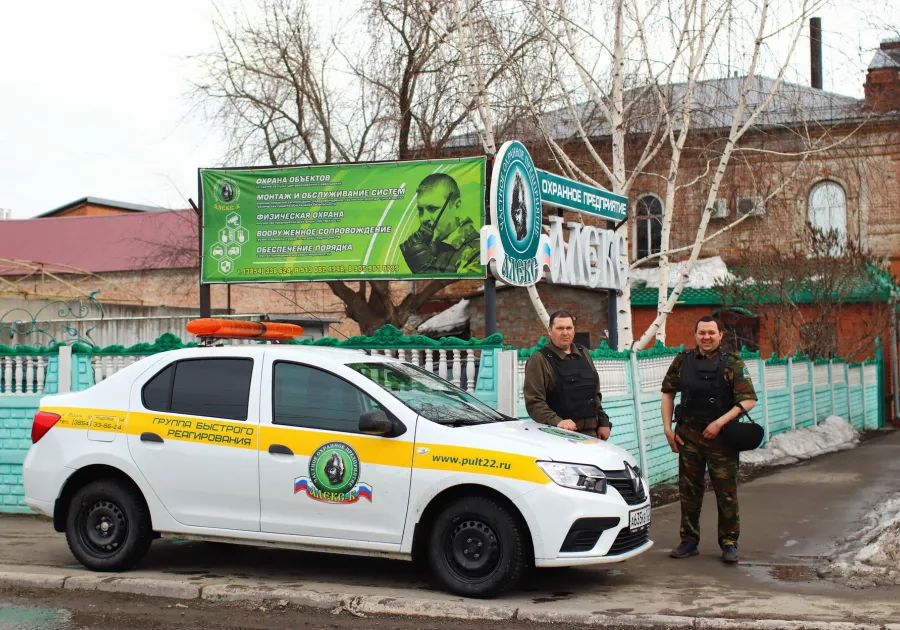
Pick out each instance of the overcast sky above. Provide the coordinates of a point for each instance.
(93, 97)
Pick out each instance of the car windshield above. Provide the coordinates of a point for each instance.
(429, 396)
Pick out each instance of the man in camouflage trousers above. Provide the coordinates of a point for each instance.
(715, 386)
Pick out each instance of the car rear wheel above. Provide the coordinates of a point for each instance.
(108, 526)
(478, 547)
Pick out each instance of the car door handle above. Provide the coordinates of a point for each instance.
(147, 436)
(278, 449)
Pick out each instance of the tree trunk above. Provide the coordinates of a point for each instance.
(372, 306)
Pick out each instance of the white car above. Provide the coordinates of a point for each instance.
(326, 450)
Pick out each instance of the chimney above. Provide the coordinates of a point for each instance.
(5, 214)
(815, 52)
(882, 85)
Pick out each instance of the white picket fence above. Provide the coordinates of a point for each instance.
(459, 366)
(22, 375)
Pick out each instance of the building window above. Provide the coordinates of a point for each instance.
(741, 335)
(828, 209)
(648, 226)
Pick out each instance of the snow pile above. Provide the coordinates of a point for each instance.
(870, 557)
(703, 275)
(833, 434)
(453, 320)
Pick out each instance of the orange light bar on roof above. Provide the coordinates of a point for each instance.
(236, 329)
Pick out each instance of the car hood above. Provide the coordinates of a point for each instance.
(549, 443)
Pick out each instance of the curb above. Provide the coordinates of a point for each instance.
(380, 605)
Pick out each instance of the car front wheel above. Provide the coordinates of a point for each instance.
(108, 526)
(478, 547)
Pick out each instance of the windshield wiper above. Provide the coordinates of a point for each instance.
(465, 422)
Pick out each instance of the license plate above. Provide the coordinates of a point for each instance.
(639, 518)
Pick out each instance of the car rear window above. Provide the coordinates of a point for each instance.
(217, 388)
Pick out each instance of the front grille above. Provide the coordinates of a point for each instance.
(621, 482)
(585, 532)
(629, 539)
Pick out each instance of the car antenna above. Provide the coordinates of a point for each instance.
(319, 319)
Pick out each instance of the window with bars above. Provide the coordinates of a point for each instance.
(744, 335)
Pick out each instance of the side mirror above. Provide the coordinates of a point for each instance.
(375, 423)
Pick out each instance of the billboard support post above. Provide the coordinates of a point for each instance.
(490, 305)
(205, 293)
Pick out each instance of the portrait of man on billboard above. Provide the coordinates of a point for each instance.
(446, 241)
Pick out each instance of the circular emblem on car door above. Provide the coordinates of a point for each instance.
(334, 468)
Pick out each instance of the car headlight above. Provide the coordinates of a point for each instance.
(575, 476)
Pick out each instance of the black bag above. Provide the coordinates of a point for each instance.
(743, 436)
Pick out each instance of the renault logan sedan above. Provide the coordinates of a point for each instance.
(326, 450)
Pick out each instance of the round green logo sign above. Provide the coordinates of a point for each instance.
(226, 190)
(513, 243)
(516, 202)
(334, 467)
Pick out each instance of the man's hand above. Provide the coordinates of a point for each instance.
(674, 440)
(713, 429)
(568, 425)
(418, 249)
(603, 433)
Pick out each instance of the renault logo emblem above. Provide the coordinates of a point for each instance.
(633, 478)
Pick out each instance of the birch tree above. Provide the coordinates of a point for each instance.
(634, 78)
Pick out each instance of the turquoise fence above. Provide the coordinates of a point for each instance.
(793, 392)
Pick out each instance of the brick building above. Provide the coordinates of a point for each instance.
(140, 257)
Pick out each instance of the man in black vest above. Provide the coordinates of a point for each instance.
(714, 386)
(562, 387)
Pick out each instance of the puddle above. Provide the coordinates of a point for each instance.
(32, 618)
(793, 572)
(613, 610)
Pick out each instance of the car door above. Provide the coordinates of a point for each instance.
(318, 475)
(193, 429)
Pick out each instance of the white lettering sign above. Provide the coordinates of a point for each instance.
(590, 258)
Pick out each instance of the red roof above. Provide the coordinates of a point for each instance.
(118, 242)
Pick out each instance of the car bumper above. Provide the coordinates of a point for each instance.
(580, 561)
(41, 507)
(42, 476)
(555, 515)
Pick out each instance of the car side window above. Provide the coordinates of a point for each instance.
(217, 388)
(308, 397)
(157, 393)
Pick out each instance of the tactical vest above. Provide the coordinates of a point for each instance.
(576, 386)
(705, 394)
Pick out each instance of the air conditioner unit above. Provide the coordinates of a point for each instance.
(752, 206)
(720, 209)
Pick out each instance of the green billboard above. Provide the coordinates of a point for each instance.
(385, 220)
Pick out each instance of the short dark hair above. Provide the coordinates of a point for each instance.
(439, 179)
(560, 314)
(709, 318)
